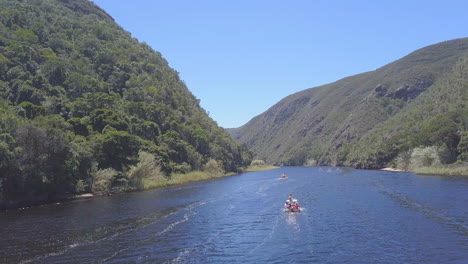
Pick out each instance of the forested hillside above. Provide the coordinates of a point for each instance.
(82, 104)
(417, 105)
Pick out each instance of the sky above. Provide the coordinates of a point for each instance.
(240, 57)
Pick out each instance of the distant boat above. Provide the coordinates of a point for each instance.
(283, 176)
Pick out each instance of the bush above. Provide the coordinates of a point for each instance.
(182, 168)
(446, 155)
(147, 167)
(463, 147)
(102, 180)
(257, 163)
(80, 186)
(403, 160)
(310, 163)
(213, 169)
(424, 157)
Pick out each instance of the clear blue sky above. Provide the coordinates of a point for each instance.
(240, 57)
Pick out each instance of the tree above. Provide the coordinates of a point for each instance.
(117, 150)
(463, 146)
(79, 126)
(440, 129)
(102, 117)
(31, 110)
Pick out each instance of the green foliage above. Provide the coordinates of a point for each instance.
(213, 169)
(81, 186)
(80, 159)
(257, 163)
(463, 146)
(77, 92)
(117, 149)
(147, 168)
(79, 126)
(100, 118)
(102, 180)
(403, 160)
(367, 120)
(451, 170)
(31, 110)
(440, 128)
(424, 157)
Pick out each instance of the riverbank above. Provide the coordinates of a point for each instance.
(391, 169)
(180, 179)
(147, 184)
(444, 170)
(196, 176)
(440, 170)
(261, 168)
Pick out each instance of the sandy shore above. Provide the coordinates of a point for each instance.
(84, 195)
(391, 169)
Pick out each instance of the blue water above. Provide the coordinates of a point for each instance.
(348, 216)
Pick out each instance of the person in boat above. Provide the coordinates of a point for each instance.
(296, 206)
(289, 202)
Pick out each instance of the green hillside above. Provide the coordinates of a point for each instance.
(368, 120)
(84, 105)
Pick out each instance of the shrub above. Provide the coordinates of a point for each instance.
(446, 154)
(424, 157)
(182, 168)
(102, 180)
(311, 163)
(257, 163)
(80, 186)
(403, 160)
(463, 147)
(147, 167)
(213, 168)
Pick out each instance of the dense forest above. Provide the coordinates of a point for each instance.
(82, 104)
(410, 113)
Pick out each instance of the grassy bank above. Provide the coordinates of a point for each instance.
(260, 168)
(156, 180)
(178, 179)
(447, 170)
(194, 176)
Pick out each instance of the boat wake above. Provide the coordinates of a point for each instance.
(112, 231)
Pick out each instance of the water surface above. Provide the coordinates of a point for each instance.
(348, 216)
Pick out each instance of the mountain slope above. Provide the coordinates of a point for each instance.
(79, 95)
(367, 119)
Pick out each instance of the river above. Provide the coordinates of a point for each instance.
(348, 216)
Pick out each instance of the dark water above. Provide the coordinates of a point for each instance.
(349, 216)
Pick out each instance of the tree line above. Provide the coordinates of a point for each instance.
(79, 95)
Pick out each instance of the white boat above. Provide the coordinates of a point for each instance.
(292, 205)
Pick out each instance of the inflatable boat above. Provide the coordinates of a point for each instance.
(292, 205)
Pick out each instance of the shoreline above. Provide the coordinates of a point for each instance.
(391, 169)
(20, 205)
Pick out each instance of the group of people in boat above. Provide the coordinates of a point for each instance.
(291, 204)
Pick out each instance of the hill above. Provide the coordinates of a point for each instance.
(83, 106)
(368, 120)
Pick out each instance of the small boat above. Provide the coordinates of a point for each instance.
(292, 205)
(283, 176)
